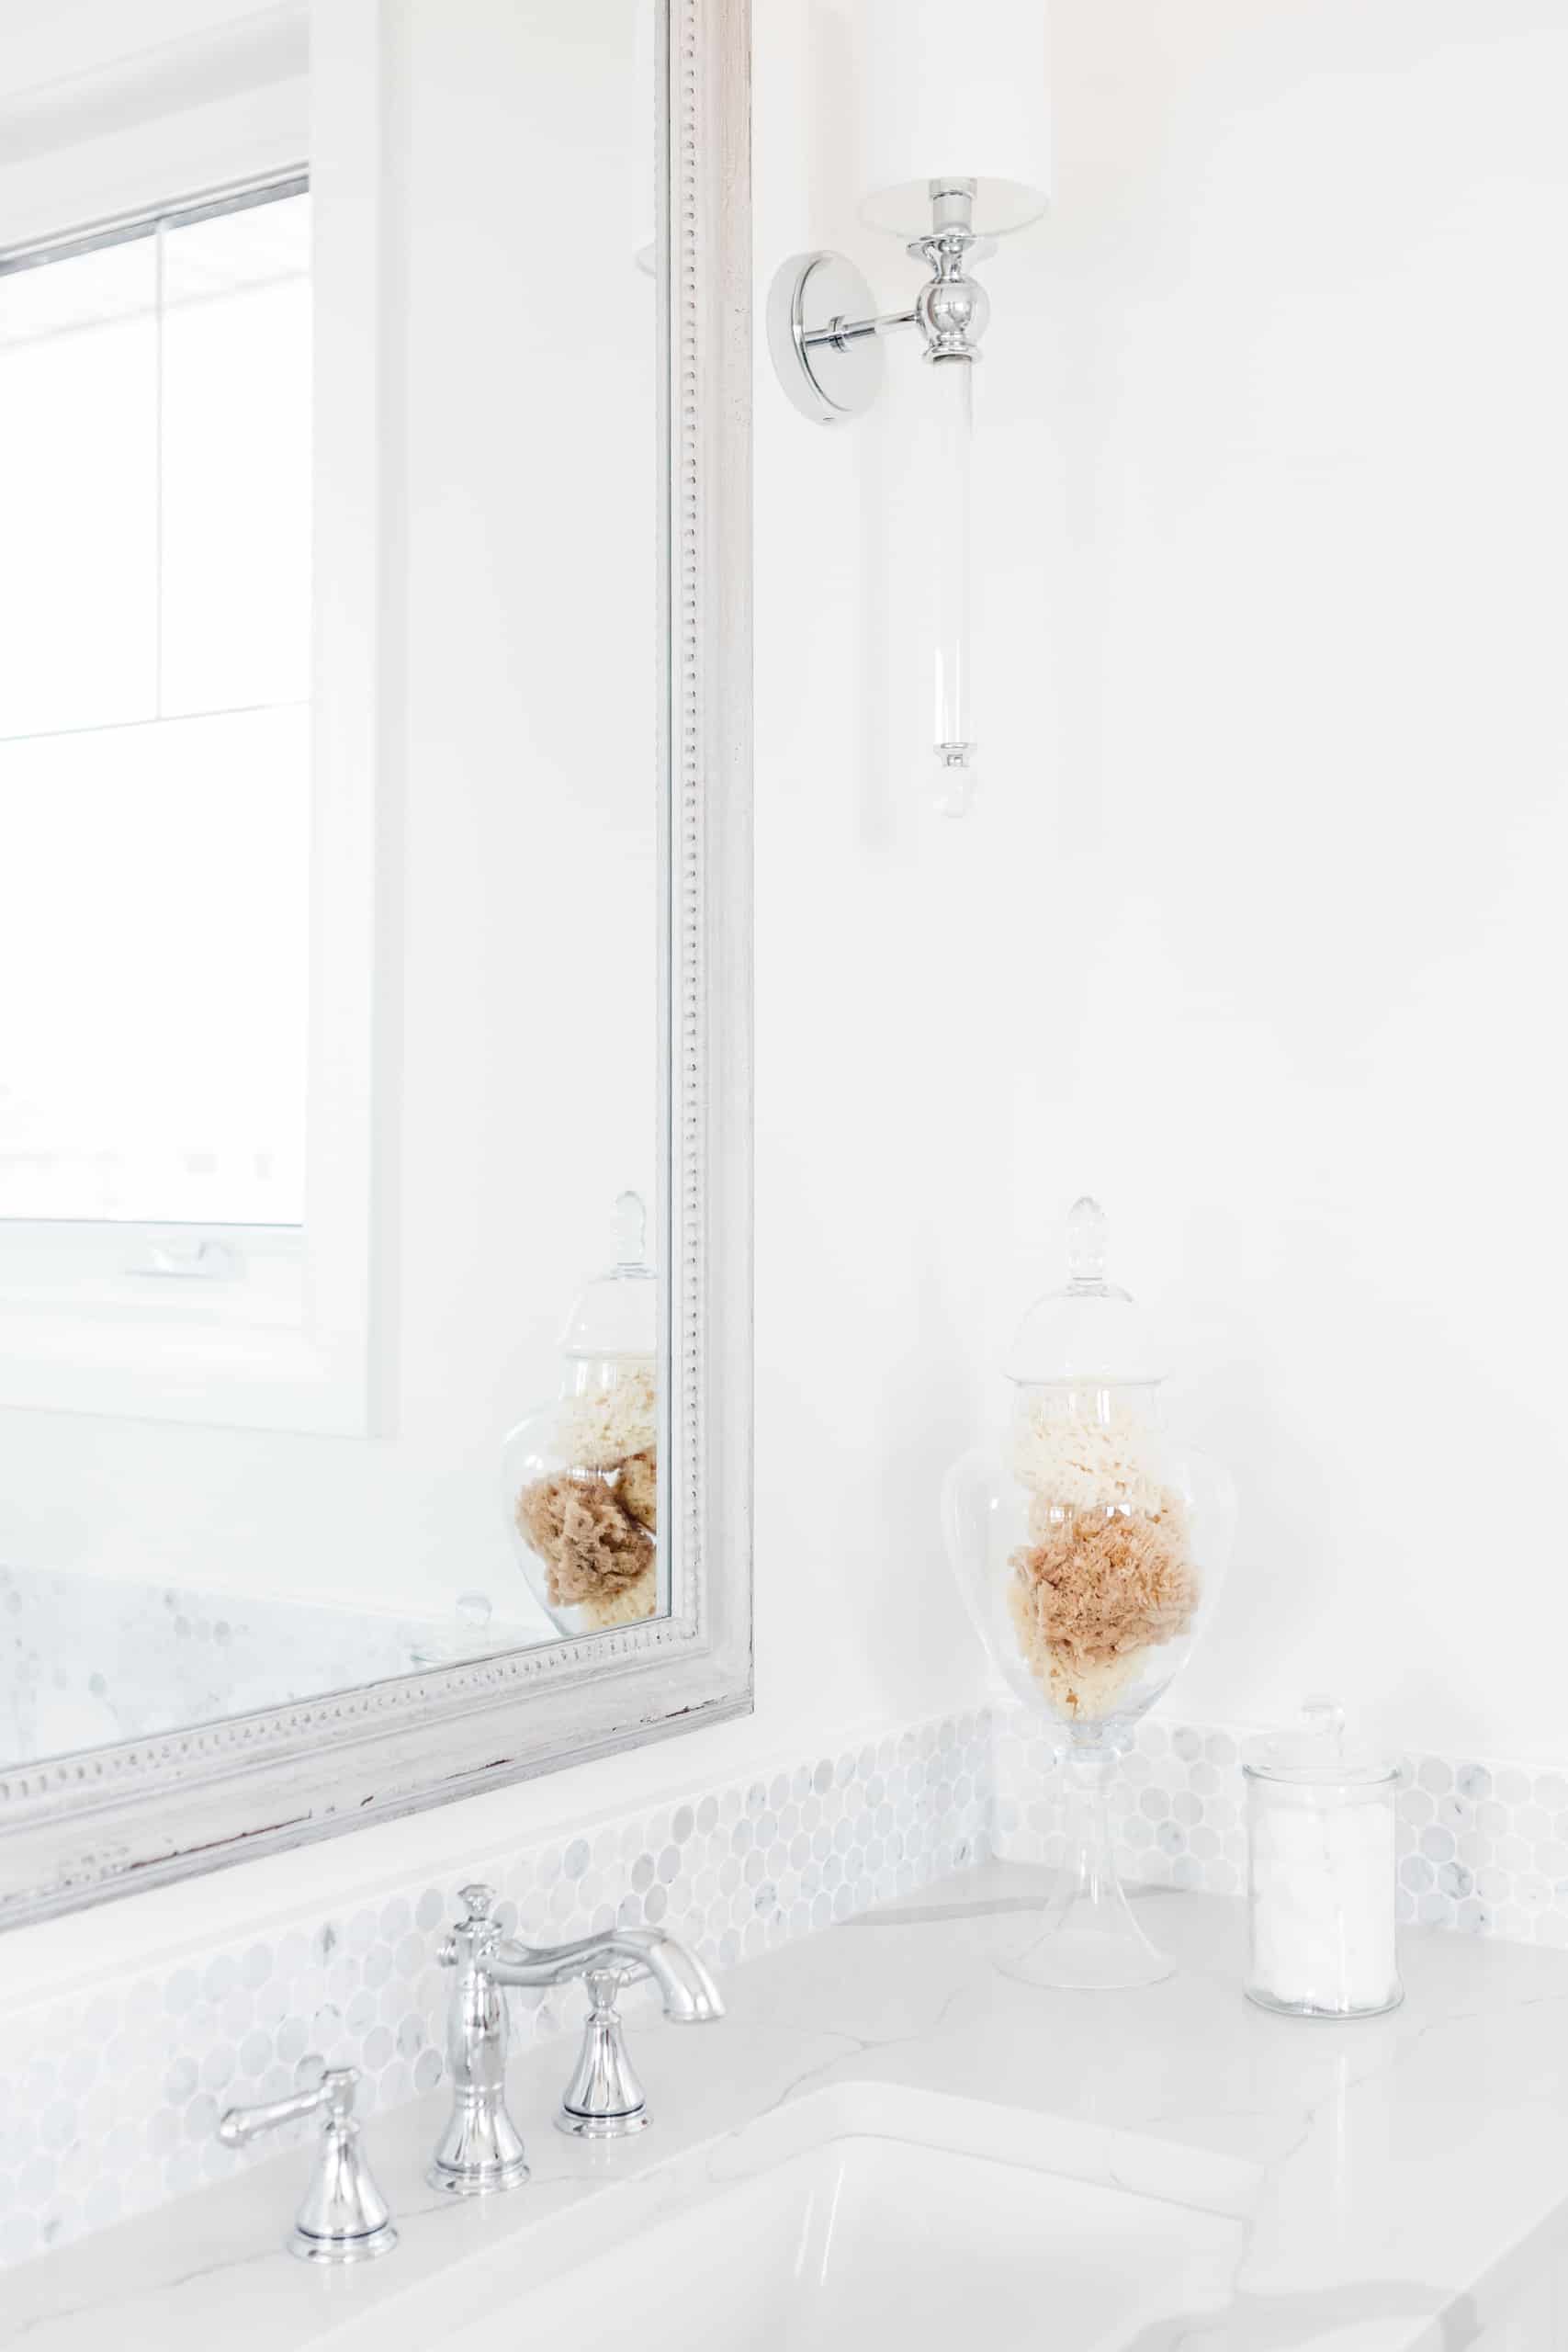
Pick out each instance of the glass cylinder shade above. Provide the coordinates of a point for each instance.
(1090, 1544)
(952, 553)
(580, 1476)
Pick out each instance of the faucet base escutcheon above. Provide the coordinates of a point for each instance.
(602, 2127)
(338, 2251)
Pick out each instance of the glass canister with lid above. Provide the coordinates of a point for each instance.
(1321, 1871)
(1092, 1542)
(580, 1476)
(1089, 1546)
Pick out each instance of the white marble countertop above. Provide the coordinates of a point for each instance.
(1402, 2179)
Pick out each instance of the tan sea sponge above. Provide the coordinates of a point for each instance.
(627, 1607)
(1087, 1691)
(636, 1488)
(591, 1548)
(1166, 1509)
(1092, 1593)
(540, 1507)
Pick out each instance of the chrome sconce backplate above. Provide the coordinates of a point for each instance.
(828, 373)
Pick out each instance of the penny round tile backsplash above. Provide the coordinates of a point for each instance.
(113, 2099)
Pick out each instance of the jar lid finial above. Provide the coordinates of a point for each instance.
(631, 1230)
(1085, 1241)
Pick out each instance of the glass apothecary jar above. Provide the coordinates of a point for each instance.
(580, 1476)
(1089, 1547)
(1321, 1871)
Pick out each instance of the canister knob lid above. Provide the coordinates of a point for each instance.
(1090, 1332)
(1317, 1750)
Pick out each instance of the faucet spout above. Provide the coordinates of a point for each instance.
(481, 2150)
(686, 1990)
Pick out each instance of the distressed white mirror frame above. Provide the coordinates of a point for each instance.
(80, 1828)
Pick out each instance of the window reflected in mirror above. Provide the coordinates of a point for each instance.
(331, 1184)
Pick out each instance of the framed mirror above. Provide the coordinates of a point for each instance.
(375, 1195)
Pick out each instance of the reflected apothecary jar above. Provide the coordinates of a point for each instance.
(580, 1476)
(1090, 1546)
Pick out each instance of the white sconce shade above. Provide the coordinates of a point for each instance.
(947, 94)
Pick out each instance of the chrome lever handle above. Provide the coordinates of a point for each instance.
(240, 2124)
(343, 2216)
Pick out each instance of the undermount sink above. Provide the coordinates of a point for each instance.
(865, 2209)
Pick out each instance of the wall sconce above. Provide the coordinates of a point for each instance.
(955, 152)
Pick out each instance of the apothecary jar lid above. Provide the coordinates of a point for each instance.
(617, 1313)
(1318, 1752)
(1090, 1334)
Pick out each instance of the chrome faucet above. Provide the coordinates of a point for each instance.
(482, 2149)
(344, 2216)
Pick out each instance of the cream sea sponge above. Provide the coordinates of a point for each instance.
(1080, 1460)
(596, 1430)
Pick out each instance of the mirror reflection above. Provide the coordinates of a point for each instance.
(330, 1190)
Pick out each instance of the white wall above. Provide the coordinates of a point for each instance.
(1250, 933)
(1275, 489)
(1255, 933)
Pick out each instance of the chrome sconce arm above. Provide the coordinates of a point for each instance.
(826, 336)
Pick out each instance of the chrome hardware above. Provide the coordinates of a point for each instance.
(344, 2217)
(830, 368)
(482, 2149)
(826, 335)
(603, 2100)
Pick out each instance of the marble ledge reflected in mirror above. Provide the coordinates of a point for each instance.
(373, 1193)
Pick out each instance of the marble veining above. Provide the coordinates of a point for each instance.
(1400, 2182)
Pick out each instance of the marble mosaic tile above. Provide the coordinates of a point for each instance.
(112, 2102)
(1175, 1802)
(1483, 1846)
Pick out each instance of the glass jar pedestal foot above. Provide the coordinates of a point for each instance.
(1091, 1939)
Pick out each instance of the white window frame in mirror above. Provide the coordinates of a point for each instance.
(78, 1829)
(284, 1340)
